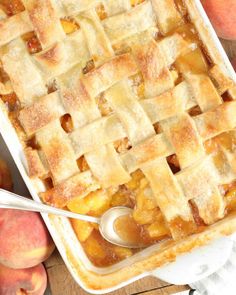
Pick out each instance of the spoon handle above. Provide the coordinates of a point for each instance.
(12, 201)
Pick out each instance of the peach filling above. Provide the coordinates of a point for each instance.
(146, 224)
(69, 26)
(136, 2)
(66, 123)
(100, 9)
(230, 199)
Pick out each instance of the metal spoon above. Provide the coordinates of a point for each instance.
(106, 221)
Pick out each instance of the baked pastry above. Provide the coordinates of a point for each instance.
(123, 103)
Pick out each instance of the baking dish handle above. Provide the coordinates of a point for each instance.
(196, 265)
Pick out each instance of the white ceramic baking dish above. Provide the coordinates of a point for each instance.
(111, 278)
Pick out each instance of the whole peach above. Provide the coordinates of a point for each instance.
(24, 239)
(222, 14)
(31, 280)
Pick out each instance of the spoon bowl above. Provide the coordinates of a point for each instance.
(108, 229)
(106, 222)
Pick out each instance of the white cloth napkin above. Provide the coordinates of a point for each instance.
(223, 282)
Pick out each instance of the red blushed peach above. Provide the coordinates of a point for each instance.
(31, 280)
(24, 239)
(222, 14)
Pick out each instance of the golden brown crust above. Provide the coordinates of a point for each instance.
(13, 27)
(45, 21)
(204, 91)
(35, 165)
(151, 61)
(216, 121)
(52, 56)
(79, 185)
(97, 80)
(79, 95)
(184, 137)
(156, 147)
(41, 113)
(222, 82)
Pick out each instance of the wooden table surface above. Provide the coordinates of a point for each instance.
(61, 282)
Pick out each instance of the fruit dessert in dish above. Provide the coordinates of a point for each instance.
(122, 103)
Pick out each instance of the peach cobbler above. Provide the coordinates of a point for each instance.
(120, 103)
